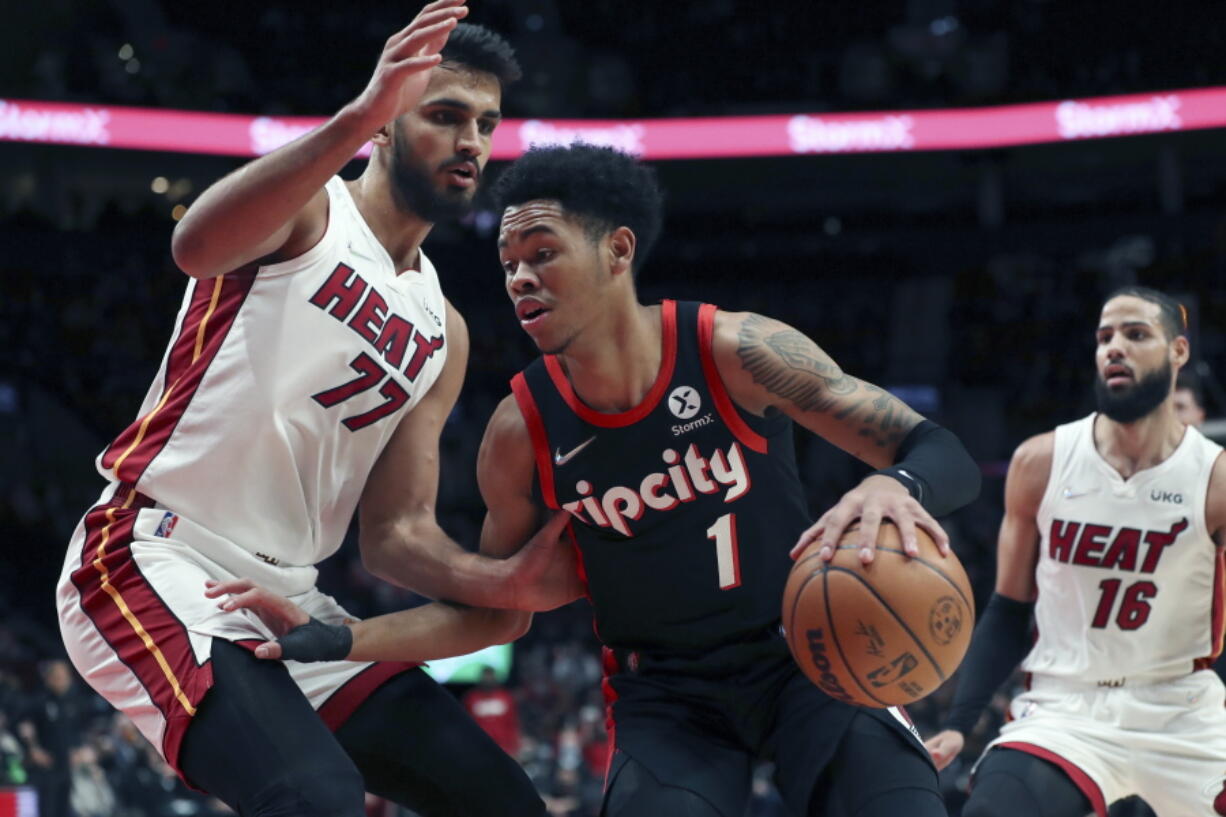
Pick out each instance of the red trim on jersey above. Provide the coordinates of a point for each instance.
(1080, 779)
(668, 361)
(213, 308)
(144, 633)
(1219, 802)
(540, 442)
(611, 668)
(1217, 620)
(715, 384)
(346, 698)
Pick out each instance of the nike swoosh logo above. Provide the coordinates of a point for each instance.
(561, 459)
(1070, 493)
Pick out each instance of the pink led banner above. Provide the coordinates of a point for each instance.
(688, 138)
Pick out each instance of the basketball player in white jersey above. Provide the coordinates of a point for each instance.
(1115, 523)
(313, 364)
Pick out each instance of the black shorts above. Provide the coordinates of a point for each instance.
(701, 723)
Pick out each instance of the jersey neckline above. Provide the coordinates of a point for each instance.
(424, 270)
(1145, 473)
(668, 360)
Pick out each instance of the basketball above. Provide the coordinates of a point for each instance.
(883, 634)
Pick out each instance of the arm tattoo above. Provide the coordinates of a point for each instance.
(790, 366)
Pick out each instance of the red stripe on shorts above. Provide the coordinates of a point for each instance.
(1080, 779)
(144, 633)
(345, 700)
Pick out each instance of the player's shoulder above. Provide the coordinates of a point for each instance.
(735, 335)
(455, 327)
(506, 451)
(730, 325)
(1217, 475)
(506, 429)
(1033, 457)
(454, 319)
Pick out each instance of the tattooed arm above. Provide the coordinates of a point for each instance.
(768, 366)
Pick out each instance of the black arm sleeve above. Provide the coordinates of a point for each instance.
(934, 466)
(1001, 641)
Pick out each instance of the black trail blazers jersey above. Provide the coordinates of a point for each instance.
(684, 508)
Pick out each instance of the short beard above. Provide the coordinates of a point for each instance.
(1132, 403)
(415, 192)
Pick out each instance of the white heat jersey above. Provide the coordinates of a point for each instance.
(280, 388)
(1129, 579)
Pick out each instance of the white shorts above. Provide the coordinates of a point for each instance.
(1164, 741)
(139, 629)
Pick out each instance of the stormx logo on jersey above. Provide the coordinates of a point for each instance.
(684, 402)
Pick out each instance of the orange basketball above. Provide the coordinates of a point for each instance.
(883, 634)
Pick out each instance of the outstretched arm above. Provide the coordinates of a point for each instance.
(435, 630)
(539, 576)
(544, 572)
(769, 366)
(275, 207)
(1001, 639)
(400, 538)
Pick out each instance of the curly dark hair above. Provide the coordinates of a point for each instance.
(1173, 315)
(601, 187)
(481, 49)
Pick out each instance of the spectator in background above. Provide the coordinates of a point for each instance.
(12, 756)
(1189, 407)
(49, 729)
(90, 794)
(494, 709)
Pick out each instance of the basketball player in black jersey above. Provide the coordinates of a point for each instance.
(665, 431)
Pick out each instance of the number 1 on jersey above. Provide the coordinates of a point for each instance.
(727, 555)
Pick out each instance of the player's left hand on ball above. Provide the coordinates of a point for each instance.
(875, 499)
(278, 613)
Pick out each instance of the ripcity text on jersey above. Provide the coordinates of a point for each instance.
(684, 507)
(1129, 578)
(280, 388)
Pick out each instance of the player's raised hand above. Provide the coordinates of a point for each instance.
(944, 747)
(278, 613)
(403, 70)
(875, 499)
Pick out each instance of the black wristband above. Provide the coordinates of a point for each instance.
(1001, 641)
(909, 481)
(935, 469)
(316, 641)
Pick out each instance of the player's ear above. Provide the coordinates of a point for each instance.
(1181, 351)
(621, 244)
(383, 136)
